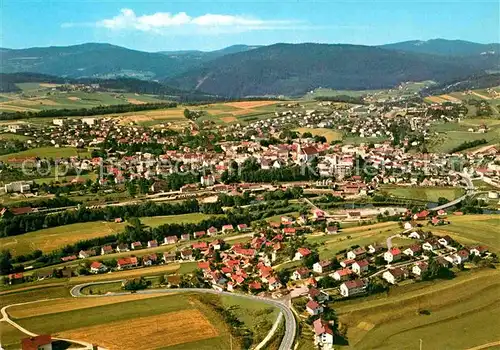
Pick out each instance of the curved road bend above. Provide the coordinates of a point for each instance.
(6, 318)
(290, 325)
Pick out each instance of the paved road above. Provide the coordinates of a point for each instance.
(470, 190)
(290, 323)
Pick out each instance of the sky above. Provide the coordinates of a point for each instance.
(158, 25)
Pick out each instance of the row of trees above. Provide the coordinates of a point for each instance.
(12, 225)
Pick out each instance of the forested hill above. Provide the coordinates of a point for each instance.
(293, 69)
(445, 47)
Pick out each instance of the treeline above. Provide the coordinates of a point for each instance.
(12, 225)
(250, 171)
(83, 112)
(468, 144)
(342, 98)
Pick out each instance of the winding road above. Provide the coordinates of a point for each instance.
(290, 323)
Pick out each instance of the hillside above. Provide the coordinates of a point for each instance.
(204, 56)
(91, 60)
(444, 47)
(293, 69)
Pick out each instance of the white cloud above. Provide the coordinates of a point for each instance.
(164, 22)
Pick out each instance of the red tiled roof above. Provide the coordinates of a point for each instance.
(33, 343)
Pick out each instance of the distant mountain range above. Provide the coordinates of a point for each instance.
(280, 69)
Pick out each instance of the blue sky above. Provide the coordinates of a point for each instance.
(156, 25)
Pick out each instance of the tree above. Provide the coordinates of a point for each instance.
(311, 259)
(5, 262)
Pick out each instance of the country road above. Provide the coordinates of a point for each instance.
(290, 323)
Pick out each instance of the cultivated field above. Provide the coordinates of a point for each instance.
(329, 134)
(462, 314)
(54, 238)
(149, 332)
(47, 152)
(40, 96)
(430, 194)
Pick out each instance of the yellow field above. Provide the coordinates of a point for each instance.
(329, 134)
(249, 104)
(481, 96)
(449, 98)
(435, 99)
(150, 332)
(53, 238)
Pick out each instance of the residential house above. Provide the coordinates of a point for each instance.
(445, 241)
(274, 283)
(148, 260)
(460, 257)
(322, 266)
(39, 342)
(313, 308)
(171, 256)
(135, 245)
(122, 247)
(170, 240)
(97, 267)
(361, 266)
(353, 287)
(243, 227)
(341, 275)
(478, 250)
(430, 245)
(375, 248)
(413, 250)
(358, 253)
(392, 255)
(300, 273)
(199, 234)
(187, 254)
(227, 228)
(107, 249)
(419, 268)
(318, 295)
(301, 253)
(394, 275)
(152, 244)
(212, 231)
(84, 254)
(421, 215)
(126, 263)
(185, 237)
(323, 334)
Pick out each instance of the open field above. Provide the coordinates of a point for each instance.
(39, 96)
(329, 134)
(11, 136)
(154, 270)
(430, 194)
(47, 152)
(54, 238)
(471, 229)
(463, 314)
(185, 326)
(188, 321)
(10, 337)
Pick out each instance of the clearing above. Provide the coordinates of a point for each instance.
(329, 134)
(430, 194)
(54, 238)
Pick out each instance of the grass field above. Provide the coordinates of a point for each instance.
(11, 136)
(54, 238)
(430, 194)
(36, 96)
(329, 134)
(47, 152)
(463, 314)
(189, 323)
